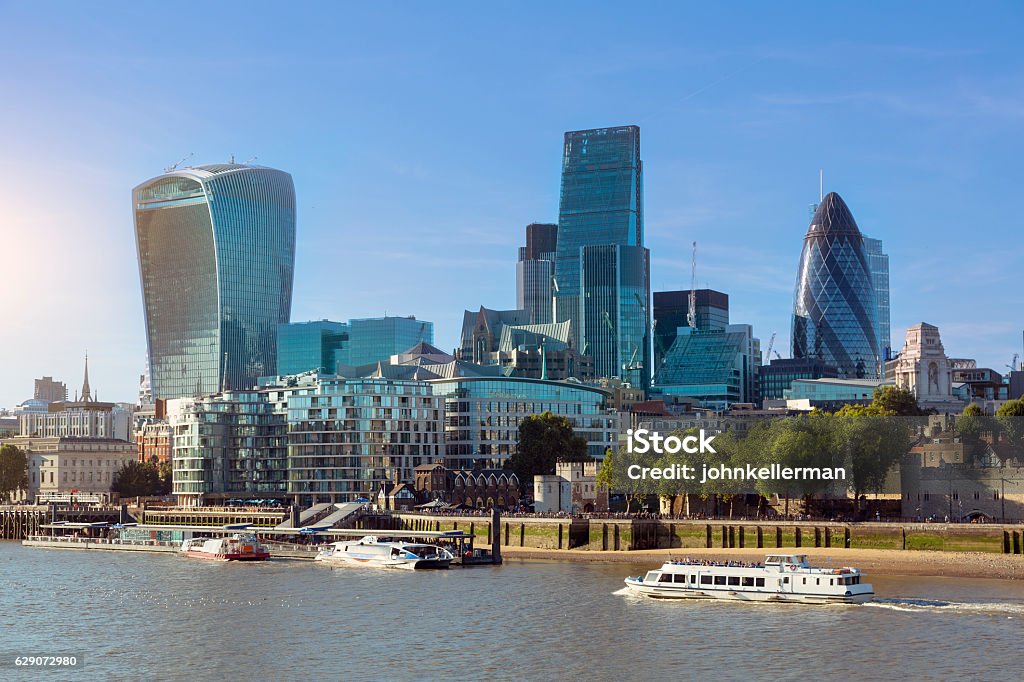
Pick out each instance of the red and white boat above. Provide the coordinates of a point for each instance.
(238, 547)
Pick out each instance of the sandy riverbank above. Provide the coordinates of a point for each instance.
(876, 561)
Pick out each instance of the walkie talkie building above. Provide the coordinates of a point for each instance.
(835, 314)
(216, 249)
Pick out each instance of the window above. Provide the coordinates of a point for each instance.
(786, 580)
(719, 579)
(680, 578)
(705, 580)
(693, 578)
(748, 582)
(759, 582)
(734, 580)
(665, 578)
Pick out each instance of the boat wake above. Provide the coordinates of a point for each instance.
(621, 591)
(1008, 609)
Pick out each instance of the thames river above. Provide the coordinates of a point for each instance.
(163, 617)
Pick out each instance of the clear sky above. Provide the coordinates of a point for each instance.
(423, 137)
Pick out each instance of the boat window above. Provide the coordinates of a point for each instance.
(734, 580)
(693, 577)
(705, 580)
(786, 580)
(665, 578)
(680, 578)
(805, 581)
(817, 581)
(759, 582)
(831, 581)
(748, 582)
(719, 579)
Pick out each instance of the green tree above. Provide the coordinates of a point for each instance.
(895, 402)
(1010, 417)
(873, 445)
(613, 473)
(13, 470)
(971, 424)
(136, 479)
(545, 439)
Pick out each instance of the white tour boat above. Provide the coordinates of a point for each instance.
(781, 578)
(373, 551)
(238, 547)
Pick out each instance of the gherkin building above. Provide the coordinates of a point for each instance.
(835, 316)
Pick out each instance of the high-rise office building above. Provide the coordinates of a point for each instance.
(374, 339)
(835, 312)
(878, 263)
(601, 206)
(216, 248)
(309, 346)
(714, 367)
(535, 271)
(671, 310)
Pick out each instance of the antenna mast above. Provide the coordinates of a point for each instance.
(691, 315)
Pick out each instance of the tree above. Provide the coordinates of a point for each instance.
(13, 470)
(872, 445)
(136, 479)
(895, 402)
(1010, 416)
(971, 424)
(545, 439)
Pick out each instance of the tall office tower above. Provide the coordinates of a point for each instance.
(49, 390)
(376, 339)
(601, 205)
(878, 262)
(216, 249)
(671, 309)
(534, 273)
(835, 313)
(309, 346)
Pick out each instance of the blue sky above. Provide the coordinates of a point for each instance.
(423, 138)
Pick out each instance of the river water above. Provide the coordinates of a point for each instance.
(155, 616)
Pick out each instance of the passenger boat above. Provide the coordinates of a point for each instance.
(238, 547)
(781, 578)
(374, 551)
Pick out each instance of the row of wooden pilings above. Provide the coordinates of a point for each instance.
(17, 524)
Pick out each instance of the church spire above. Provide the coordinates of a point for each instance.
(86, 396)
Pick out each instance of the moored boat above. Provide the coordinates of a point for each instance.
(379, 552)
(238, 547)
(781, 578)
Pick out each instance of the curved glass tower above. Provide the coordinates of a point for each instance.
(216, 251)
(835, 315)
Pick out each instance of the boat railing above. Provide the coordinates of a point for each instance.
(72, 540)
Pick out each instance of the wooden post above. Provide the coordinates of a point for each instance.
(828, 536)
(708, 544)
(817, 536)
(559, 536)
(742, 538)
(522, 535)
(778, 536)
(604, 536)
(798, 535)
(725, 537)
(760, 537)
(846, 538)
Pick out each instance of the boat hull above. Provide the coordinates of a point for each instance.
(254, 556)
(658, 592)
(405, 564)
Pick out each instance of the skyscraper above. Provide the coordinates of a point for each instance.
(670, 313)
(601, 206)
(534, 273)
(878, 262)
(216, 249)
(835, 313)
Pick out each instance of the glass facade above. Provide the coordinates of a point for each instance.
(348, 436)
(715, 367)
(216, 248)
(671, 309)
(778, 376)
(600, 204)
(377, 339)
(534, 291)
(878, 262)
(482, 416)
(305, 346)
(835, 313)
(613, 311)
(227, 445)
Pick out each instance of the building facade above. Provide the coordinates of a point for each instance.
(601, 207)
(778, 376)
(835, 311)
(311, 346)
(49, 390)
(482, 416)
(375, 339)
(59, 466)
(671, 311)
(878, 264)
(216, 248)
(714, 367)
(228, 445)
(923, 369)
(535, 273)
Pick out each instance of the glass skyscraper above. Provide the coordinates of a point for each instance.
(306, 346)
(671, 309)
(216, 248)
(376, 339)
(878, 262)
(715, 367)
(835, 312)
(534, 273)
(601, 205)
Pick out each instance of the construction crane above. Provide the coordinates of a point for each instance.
(771, 344)
(691, 315)
(1013, 363)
